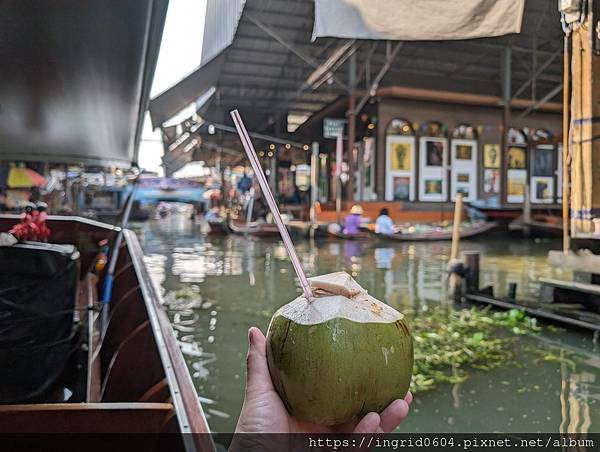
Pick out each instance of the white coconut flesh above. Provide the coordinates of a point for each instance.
(338, 295)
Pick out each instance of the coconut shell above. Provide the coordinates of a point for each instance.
(340, 356)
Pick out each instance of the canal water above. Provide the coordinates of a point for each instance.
(217, 287)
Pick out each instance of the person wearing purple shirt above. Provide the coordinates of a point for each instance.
(352, 222)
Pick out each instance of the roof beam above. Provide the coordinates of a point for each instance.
(537, 73)
(557, 89)
(308, 60)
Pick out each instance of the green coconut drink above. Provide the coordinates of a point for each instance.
(339, 356)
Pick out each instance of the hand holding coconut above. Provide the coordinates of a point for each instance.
(264, 411)
(339, 360)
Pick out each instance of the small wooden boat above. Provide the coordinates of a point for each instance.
(342, 236)
(217, 227)
(255, 228)
(65, 376)
(467, 230)
(538, 226)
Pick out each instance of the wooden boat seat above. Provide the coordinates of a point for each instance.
(86, 418)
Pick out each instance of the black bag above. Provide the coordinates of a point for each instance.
(38, 289)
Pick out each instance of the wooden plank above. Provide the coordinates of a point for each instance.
(582, 261)
(182, 388)
(536, 312)
(572, 285)
(85, 418)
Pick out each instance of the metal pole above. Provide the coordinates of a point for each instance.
(112, 264)
(506, 97)
(314, 187)
(351, 126)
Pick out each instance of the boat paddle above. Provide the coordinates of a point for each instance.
(112, 263)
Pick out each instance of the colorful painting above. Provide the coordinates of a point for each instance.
(400, 158)
(433, 186)
(516, 185)
(543, 162)
(462, 177)
(491, 181)
(464, 152)
(543, 189)
(401, 188)
(516, 158)
(491, 155)
(434, 153)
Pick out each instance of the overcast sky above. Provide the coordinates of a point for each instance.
(180, 53)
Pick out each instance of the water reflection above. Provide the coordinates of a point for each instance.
(216, 288)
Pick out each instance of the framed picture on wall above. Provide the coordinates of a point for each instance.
(464, 152)
(433, 186)
(516, 158)
(543, 161)
(515, 190)
(434, 153)
(462, 177)
(542, 189)
(401, 188)
(401, 157)
(491, 181)
(491, 155)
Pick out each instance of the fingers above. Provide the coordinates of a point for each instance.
(408, 398)
(370, 423)
(395, 413)
(258, 378)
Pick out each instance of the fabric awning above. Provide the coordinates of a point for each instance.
(417, 20)
(76, 78)
(189, 90)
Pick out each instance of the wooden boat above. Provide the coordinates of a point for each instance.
(537, 226)
(132, 380)
(220, 227)
(341, 236)
(467, 231)
(61, 375)
(255, 228)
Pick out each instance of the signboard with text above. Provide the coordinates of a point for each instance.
(332, 127)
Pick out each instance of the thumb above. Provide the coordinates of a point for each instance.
(258, 378)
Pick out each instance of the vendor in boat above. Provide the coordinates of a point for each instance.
(263, 410)
(352, 222)
(384, 224)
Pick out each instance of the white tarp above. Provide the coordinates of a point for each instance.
(414, 20)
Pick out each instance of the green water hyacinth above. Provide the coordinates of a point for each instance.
(341, 355)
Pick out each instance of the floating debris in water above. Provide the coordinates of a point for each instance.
(450, 342)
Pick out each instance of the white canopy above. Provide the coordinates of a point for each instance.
(414, 20)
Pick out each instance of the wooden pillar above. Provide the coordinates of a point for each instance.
(471, 259)
(584, 148)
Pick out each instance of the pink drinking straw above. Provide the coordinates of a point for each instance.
(262, 181)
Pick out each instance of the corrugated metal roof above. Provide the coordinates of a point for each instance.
(271, 56)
